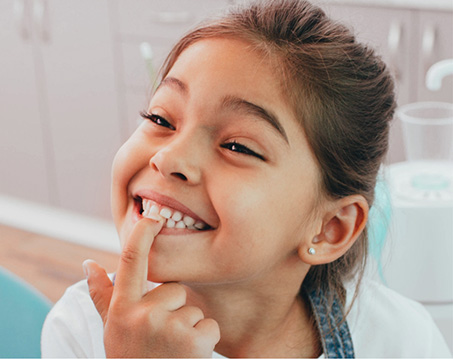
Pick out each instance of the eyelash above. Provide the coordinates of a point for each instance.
(237, 147)
(232, 146)
(158, 120)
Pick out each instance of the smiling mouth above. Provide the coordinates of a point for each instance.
(173, 218)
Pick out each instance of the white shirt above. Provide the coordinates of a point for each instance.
(382, 323)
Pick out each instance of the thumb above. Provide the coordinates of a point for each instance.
(100, 287)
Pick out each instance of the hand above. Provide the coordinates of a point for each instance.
(138, 323)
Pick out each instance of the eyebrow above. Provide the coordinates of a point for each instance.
(174, 82)
(237, 103)
(234, 102)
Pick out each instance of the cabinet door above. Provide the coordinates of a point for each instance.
(23, 131)
(435, 43)
(163, 18)
(78, 55)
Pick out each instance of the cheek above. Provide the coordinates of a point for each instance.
(119, 179)
(127, 163)
(123, 164)
(132, 156)
(118, 196)
(267, 215)
(251, 221)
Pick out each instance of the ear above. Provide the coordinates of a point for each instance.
(342, 225)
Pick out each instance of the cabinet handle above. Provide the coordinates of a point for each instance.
(428, 44)
(394, 42)
(20, 17)
(40, 14)
(168, 17)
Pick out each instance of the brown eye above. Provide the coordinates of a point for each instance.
(158, 120)
(237, 147)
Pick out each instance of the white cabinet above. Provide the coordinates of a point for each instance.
(60, 127)
(434, 39)
(25, 160)
(83, 119)
(410, 41)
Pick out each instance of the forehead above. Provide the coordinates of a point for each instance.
(229, 65)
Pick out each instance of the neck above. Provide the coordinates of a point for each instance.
(271, 322)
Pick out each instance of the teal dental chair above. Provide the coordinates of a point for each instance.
(22, 313)
(378, 225)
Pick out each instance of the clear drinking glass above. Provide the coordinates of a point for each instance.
(427, 130)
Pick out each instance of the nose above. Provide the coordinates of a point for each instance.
(180, 159)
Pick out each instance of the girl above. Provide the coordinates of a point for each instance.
(246, 191)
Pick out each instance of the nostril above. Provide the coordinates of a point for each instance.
(153, 165)
(179, 175)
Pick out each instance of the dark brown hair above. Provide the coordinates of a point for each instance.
(340, 92)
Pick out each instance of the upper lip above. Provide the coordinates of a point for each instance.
(168, 202)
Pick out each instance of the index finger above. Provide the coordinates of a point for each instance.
(133, 265)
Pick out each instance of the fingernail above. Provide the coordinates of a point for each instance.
(86, 267)
(155, 216)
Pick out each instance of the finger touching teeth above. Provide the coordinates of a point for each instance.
(155, 217)
(172, 218)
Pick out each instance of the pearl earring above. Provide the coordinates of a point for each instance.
(311, 251)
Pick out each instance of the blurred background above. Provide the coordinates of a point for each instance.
(74, 76)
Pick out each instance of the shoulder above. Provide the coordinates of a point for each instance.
(384, 323)
(380, 302)
(73, 326)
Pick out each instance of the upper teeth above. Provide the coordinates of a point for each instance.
(174, 218)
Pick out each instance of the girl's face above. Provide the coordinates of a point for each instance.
(221, 146)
